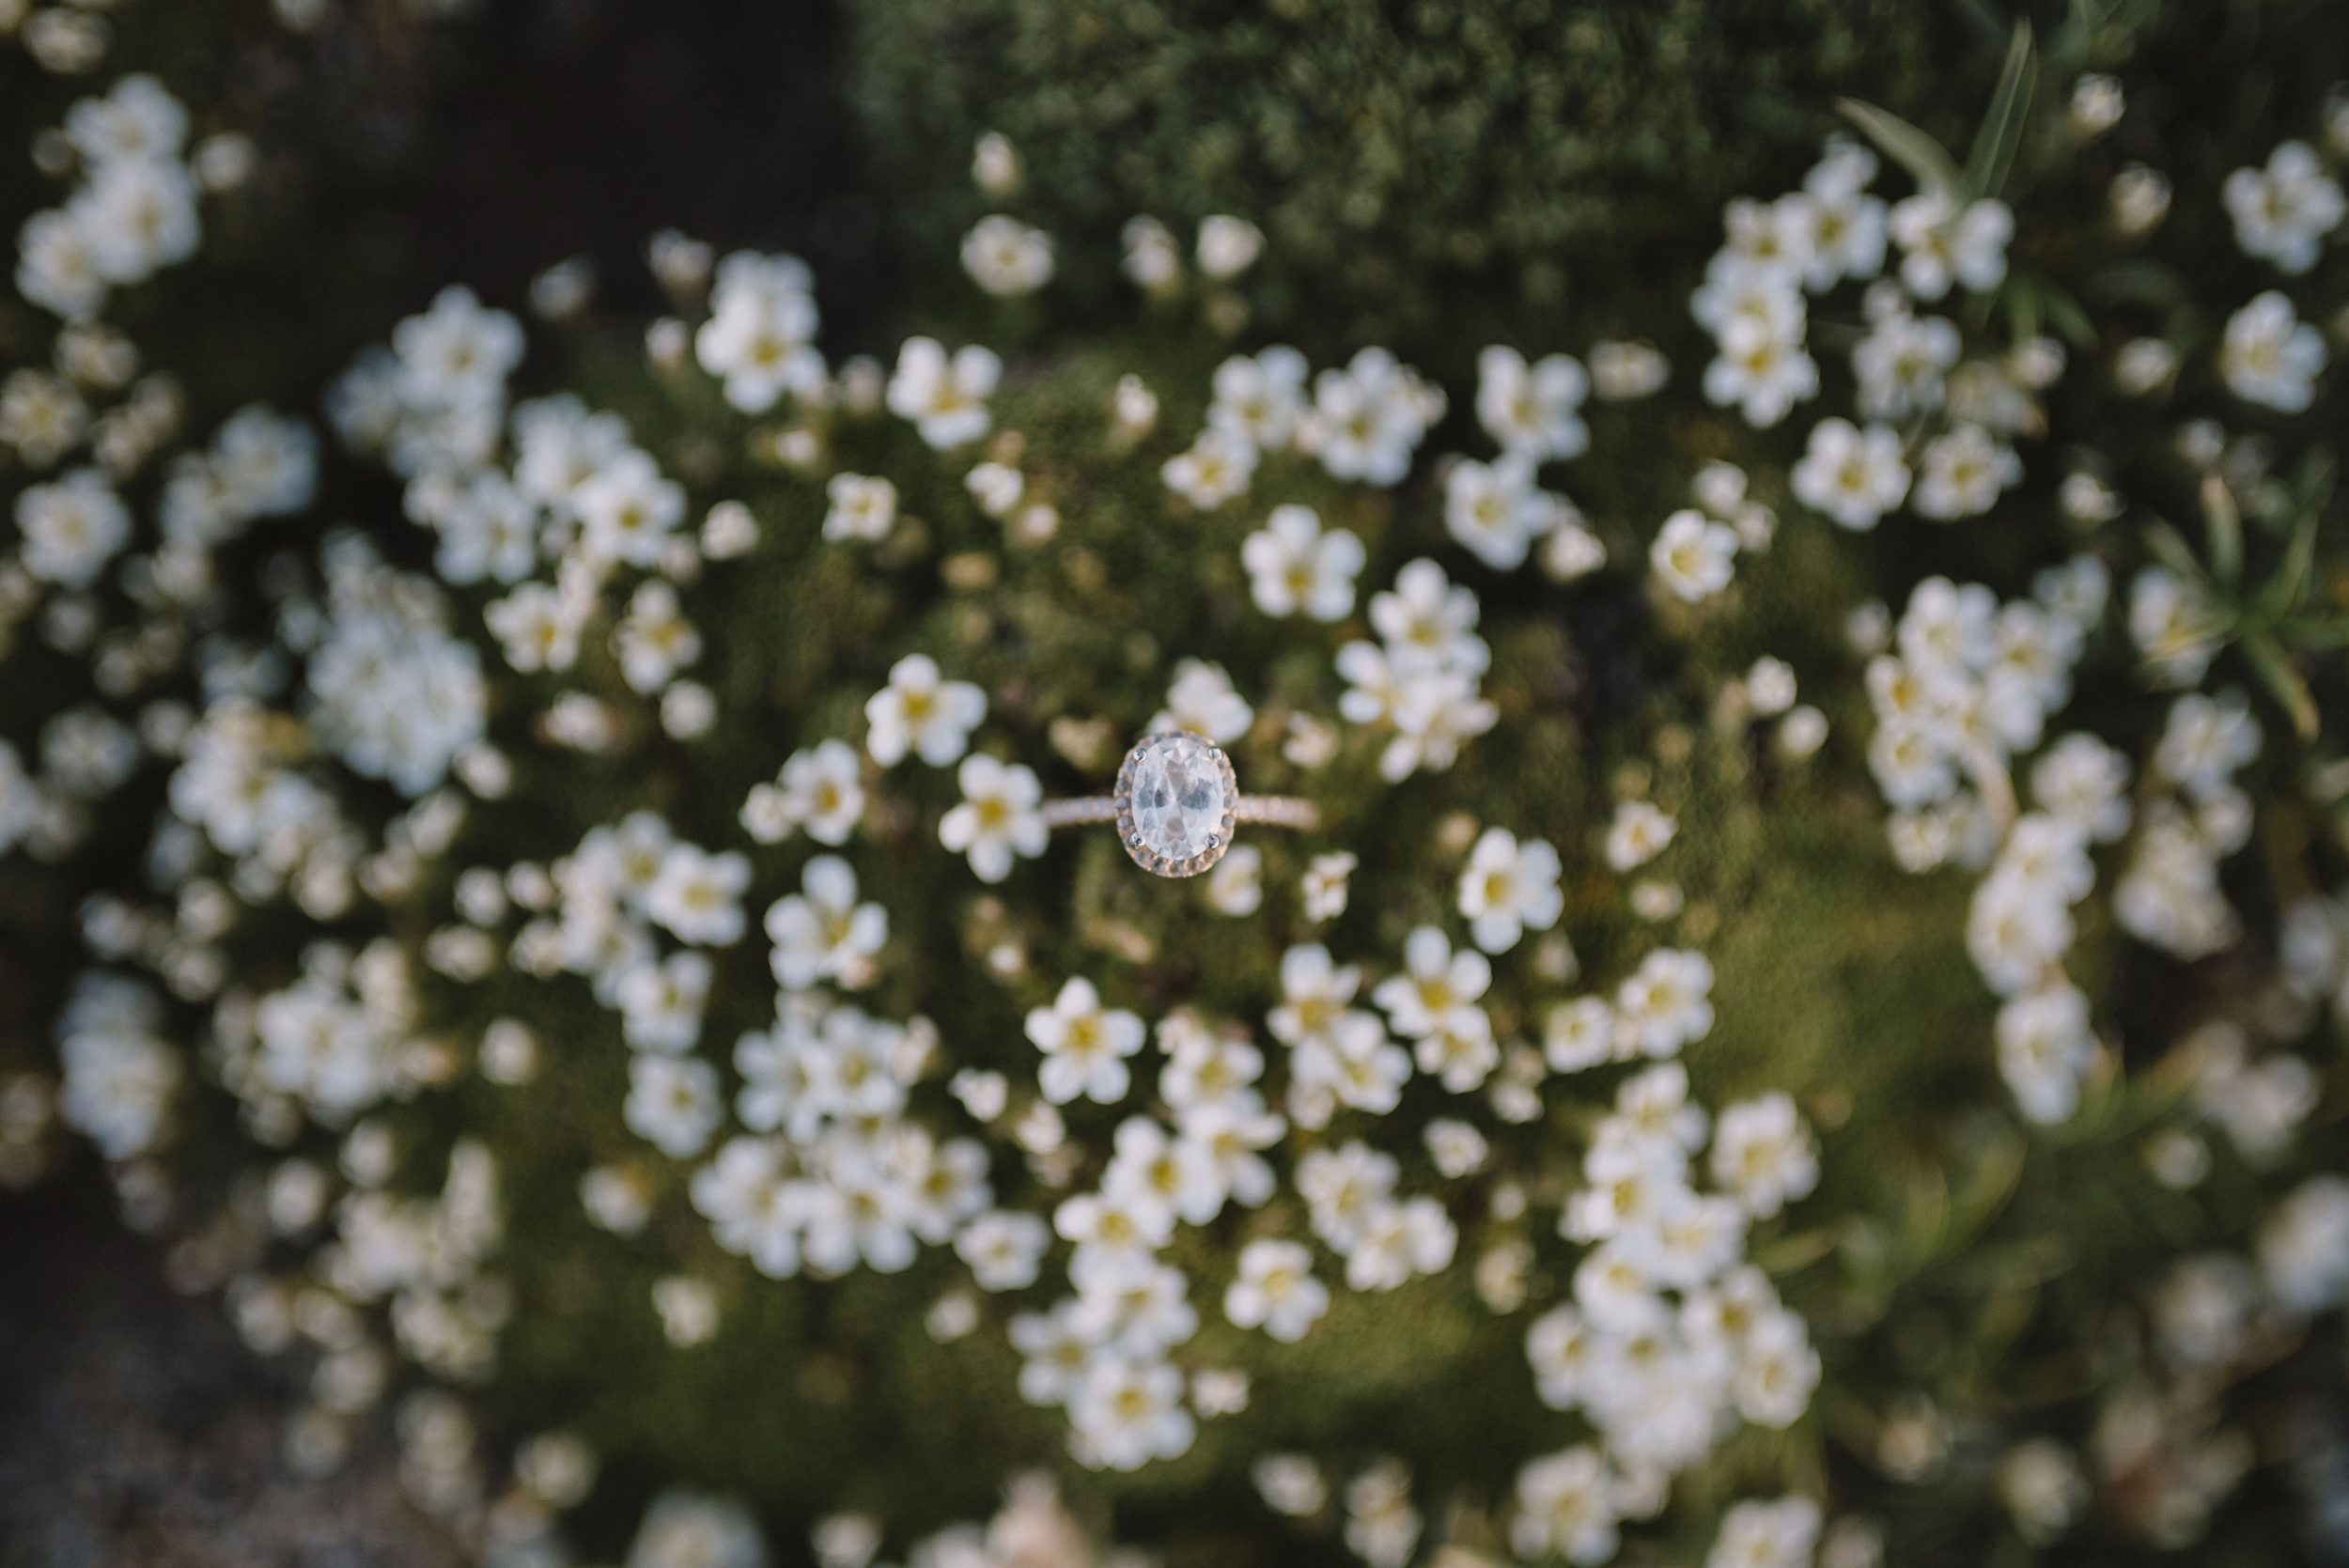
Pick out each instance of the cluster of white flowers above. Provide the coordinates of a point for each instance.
(1422, 676)
(1670, 1334)
(759, 340)
(1496, 509)
(824, 1159)
(1907, 365)
(393, 694)
(119, 1074)
(1226, 247)
(2193, 817)
(1364, 422)
(133, 212)
(1965, 699)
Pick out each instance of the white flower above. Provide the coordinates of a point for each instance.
(822, 932)
(2303, 1246)
(1201, 700)
(2205, 741)
(1565, 1506)
(1084, 1045)
(2083, 781)
(945, 399)
(1776, 1371)
(861, 507)
(1427, 622)
(759, 339)
(1369, 417)
(918, 711)
(1217, 468)
(1003, 1248)
(1762, 1155)
(72, 528)
(1151, 259)
(697, 895)
(2284, 211)
(1533, 411)
(672, 1103)
(1438, 989)
(2041, 1483)
(1623, 371)
(996, 487)
(1276, 1291)
(1780, 1534)
(2097, 106)
(1496, 510)
(1006, 257)
(2173, 626)
(119, 1078)
(655, 640)
(1770, 685)
(820, 789)
(537, 626)
(1761, 369)
(1294, 565)
(1638, 834)
(1228, 246)
(2045, 1048)
(137, 121)
(457, 351)
(1325, 884)
(1666, 1003)
(1942, 243)
(998, 817)
(1692, 557)
(686, 1530)
(660, 1004)
(1315, 994)
(56, 266)
(2139, 199)
(1900, 363)
(1508, 887)
(137, 218)
(1260, 400)
(2270, 356)
(1964, 471)
(1578, 1034)
(1855, 477)
(1290, 1483)
(994, 169)
(1235, 887)
(628, 510)
(1128, 1413)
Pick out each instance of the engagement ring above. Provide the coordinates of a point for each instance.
(1176, 804)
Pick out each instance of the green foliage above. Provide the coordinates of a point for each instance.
(1431, 176)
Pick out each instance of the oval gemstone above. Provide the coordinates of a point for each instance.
(1177, 793)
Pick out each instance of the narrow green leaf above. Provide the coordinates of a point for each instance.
(2312, 479)
(2065, 315)
(2315, 636)
(2282, 682)
(2223, 525)
(2002, 129)
(2164, 542)
(2290, 586)
(1906, 146)
(2022, 306)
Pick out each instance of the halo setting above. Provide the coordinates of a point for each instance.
(1176, 803)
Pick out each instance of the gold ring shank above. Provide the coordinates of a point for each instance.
(1277, 811)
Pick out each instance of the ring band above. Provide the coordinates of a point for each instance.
(1176, 804)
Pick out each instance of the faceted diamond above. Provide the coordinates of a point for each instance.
(1178, 800)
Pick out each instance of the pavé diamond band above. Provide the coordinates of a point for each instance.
(1178, 803)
